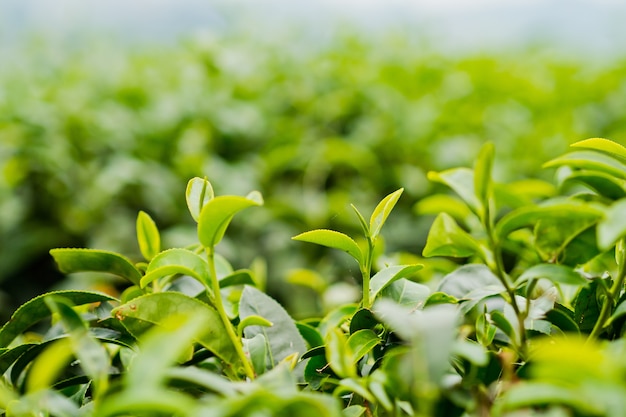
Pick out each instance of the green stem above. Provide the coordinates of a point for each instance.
(219, 306)
(366, 271)
(613, 294)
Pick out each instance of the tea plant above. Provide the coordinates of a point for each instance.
(529, 320)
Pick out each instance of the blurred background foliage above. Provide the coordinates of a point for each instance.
(90, 136)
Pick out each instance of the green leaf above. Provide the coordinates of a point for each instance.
(388, 275)
(613, 226)
(529, 394)
(529, 215)
(467, 279)
(199, 192)
(363, 319)
(553, 236)
(502, 323)
(461, 180)
(46, 367)
(283, 338)
(79, 260)
(592, 161)
(148, 236)
(238, 277)
(562, 318)
(155, 309)
(587, 307)
(604, 184)
(252, 320)
(603, 145)
(332, 239)
(406, 293)
(36, 309)
(339, 355)
(210, 381)
(217, 214)
(446, 238)
(177, 261)
(364, 226)
(555, 273)
(443, 203)
(310, 334)
(381, 212)
(256, 349)
(361, 342)
(337, 317)
(483, 186)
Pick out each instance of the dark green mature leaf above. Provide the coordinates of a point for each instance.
(157, 308)
(586, 306)
(590, 160)
(36, 309)
(389, 275)
(199, 192)
(382, 211)
(446, 238)
(148, 236)
(363, 319)
(71, 260)
(554, 234)
(238, 277)
(217, 214)
(177, 261)
(283, 338)
(555, 273)
(529, 215)
(9, 356)
(603, 145)
(332, 239)
(461, 180)
(604, 184)
(310, 334)
(562, 318)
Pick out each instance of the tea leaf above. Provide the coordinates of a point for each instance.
(388, 275)
(283, 338)
(177, 261)
(382, 211)
(604, 145)
(446, 238)
(461, 180)
(613, 226)
(555, 273)
(253, 320)
(339, 355)
(482, 174)
(79, 260)
(239, 277)
(590, 160)
(199, 192)
(155, 309)
(604, 184)
(148, 236)
(406, 293)
(332, 239)
(36, 309)
(361, 342)
(217, 214)
(364, 226)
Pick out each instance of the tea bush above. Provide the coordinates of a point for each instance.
(88, 138)
(528, 322)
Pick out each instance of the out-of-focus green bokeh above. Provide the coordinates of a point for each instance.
(90, 136)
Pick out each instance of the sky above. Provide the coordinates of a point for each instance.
(581, 26)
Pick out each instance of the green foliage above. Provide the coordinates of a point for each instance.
(529, 319)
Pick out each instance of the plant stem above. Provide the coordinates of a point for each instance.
(613, 294)
(366, 271)
(219, 306)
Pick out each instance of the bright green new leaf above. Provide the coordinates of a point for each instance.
(482, 174)
(604, 184)
(177, 261)
(361, 342)
(352, 385)
(613, 226)
(461, 180)
(446, 238)
(555, 273)
(603, 145)
(156, 309)
(252, 320)
(148, 236)
(390, 274)
(382, 211)
(332, 239)
(36, 309)
(71, 260)
(238, 277)
(364, 226)
(406, 293)
(217, 214)
(339, 355)
(48, 365)
(590, 160)
(256, 349)
(282, 338)
(199, 192)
